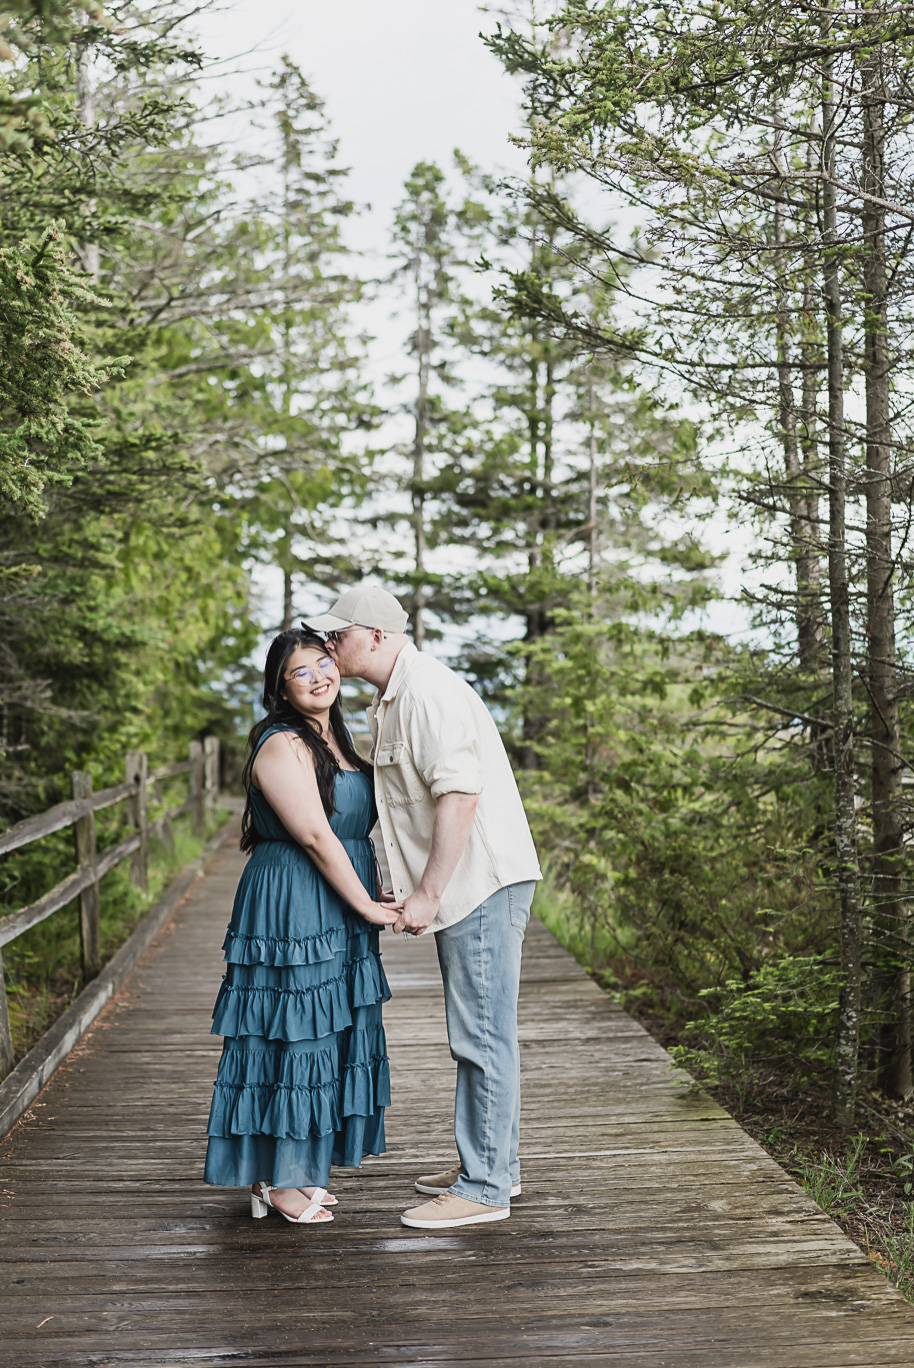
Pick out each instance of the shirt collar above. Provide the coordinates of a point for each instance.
(408, 655)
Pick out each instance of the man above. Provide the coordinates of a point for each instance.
(460, 852)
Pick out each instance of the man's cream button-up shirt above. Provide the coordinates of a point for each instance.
(432, 734)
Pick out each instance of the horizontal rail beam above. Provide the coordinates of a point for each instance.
(31, 1073)
(43, 824)
(79, 812)
(56, 898)
(106, 797)
(64, 892)
(169, 771)
(63, 815)
(107, 859)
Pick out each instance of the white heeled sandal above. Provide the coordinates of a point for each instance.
(261, 1204)
(325, 1201)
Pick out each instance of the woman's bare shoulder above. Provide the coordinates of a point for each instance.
(281, 745)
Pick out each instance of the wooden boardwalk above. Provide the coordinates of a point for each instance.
(652, 1231)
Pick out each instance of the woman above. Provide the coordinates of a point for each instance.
(303, 1078)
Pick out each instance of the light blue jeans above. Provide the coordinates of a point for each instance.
(480, 967)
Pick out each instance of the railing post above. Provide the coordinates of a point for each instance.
(211, 773)
(90, 933)
(167, 836)
(136, 815)
(6, 1034)
(196, 785)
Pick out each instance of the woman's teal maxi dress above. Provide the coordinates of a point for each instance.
(303, 1078)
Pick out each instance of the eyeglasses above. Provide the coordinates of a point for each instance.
(333, 637)
(305, 675)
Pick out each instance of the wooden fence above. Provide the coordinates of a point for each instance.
(202, 767)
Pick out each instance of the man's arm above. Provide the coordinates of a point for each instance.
(454, 813)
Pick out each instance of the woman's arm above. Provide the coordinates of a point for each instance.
(284, 773)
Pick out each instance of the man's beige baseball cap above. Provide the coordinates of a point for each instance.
(367, 605)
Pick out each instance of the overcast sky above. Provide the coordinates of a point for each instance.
(404, 81)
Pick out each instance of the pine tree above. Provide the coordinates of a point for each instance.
(306, 397)
(567, 460)
(435, 237)
(765, 305)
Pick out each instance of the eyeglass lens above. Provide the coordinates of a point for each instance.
(333, 637)
(307, 676)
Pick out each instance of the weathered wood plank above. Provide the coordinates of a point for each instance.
(112, 855)
(890, 1355)
(107, 797)
(327, 1337)
(652, 1230)
(42, 824)
(7, 1053)
(439, 1279)
(30, 1075)
(51, 902)
(169, 771)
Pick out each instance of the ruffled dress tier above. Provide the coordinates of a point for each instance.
(303, 1079)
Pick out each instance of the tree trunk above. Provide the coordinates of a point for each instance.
(787, 419)
(533, 614)
(423, 353)
(85, 107)
(848, 1033)
(889, 909)
(287, 610)
(592, 474)
(541, 557)
(811, 629)
(802, 547)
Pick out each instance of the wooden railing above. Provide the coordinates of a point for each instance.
(202, 767)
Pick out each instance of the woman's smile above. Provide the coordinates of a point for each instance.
(310, 676)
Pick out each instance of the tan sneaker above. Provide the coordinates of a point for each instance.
(437, 1183)
(447, 1210)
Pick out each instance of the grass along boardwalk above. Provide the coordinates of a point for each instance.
(652, 1230)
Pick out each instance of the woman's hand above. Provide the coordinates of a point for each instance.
(382, 914)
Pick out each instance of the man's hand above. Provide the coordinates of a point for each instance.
(419, 911)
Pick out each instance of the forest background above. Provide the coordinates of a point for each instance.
(691, 311)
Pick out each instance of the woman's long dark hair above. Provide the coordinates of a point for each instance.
(280, 713)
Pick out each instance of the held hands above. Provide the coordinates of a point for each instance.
(416, 913)
(383, 913)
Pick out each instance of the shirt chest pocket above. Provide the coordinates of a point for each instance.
(402, 782)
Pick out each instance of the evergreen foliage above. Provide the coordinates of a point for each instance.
(177, 382)
(183, 398)
(767, 151)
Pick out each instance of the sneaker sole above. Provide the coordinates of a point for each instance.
(516, 1190)
(500, 1214)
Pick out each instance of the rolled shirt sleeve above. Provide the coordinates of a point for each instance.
(444, 745)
